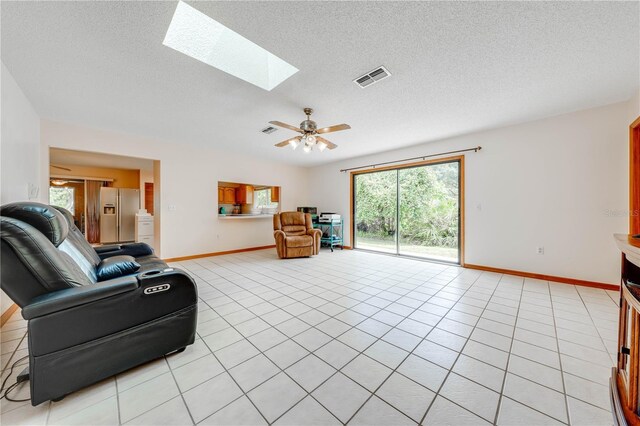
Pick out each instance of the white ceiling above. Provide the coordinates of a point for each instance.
(457, 67)
(68, 157)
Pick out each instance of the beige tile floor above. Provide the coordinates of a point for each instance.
(359, 338)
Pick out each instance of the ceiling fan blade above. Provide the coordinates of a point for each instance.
(335, 128)
(285, 143)
(330, 145)
(61, 168)
(286, 126)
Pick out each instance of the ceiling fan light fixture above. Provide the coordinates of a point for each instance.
(58, 182)
(307, 134)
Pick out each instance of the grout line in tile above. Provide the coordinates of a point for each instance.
(178, 387)
(506, 372)
(564, 387)
(115, 379)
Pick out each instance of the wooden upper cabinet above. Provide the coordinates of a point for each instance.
(275, 194)
(230, 196)
(244, 194)
(226, 195)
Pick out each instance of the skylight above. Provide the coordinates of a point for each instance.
(203, 38)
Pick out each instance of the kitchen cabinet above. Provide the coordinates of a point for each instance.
(244, 194)
(275, 194)
(226, 195)
(144, 229)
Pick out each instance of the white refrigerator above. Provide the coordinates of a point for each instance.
(118, 208)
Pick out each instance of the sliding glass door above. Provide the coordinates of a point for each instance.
(376, 211)
(410, 211)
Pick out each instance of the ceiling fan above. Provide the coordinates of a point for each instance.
(61, 168)
(310, 132)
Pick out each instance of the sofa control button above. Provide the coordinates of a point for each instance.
(157, 288)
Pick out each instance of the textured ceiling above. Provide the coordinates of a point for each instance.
(457, 67)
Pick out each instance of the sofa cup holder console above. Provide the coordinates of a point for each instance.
(155, 273)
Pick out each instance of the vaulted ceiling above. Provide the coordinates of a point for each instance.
(457, 67)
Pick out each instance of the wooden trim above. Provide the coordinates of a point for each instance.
(461, 189)
(630, 416)
(217, 253)
(632, 401)
(352, 213)
(7, 314)
(408, 165)
(554, 278)
(634, 177)
(222, 253)
(72, 177)
(458, 158)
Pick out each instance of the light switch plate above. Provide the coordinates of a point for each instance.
(33, 191)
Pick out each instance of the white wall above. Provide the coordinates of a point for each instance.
(19, 149)
(634, 106)
(189, 178)
(20, 143)
(545, 183)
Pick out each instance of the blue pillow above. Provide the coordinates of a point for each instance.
(116, 266)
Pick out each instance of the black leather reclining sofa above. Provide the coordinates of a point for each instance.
(80, 329)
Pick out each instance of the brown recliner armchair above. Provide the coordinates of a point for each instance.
(295, 236)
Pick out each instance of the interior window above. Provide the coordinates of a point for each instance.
(262, 198)
(62, 196)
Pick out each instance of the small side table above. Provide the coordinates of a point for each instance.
(334, 233)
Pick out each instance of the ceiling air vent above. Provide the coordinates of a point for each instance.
(268, 130)
(372, 77)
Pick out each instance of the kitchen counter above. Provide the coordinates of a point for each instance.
(245, 216)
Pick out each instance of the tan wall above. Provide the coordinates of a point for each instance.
(121, 178)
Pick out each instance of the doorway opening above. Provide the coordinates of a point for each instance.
(107, 195)
(413, 210)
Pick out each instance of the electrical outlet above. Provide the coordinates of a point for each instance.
(540, 250)
(172, 207)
